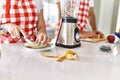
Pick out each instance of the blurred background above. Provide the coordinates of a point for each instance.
(51, 16)
(107, 15)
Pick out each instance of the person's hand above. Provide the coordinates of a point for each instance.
(42, 38)
(99, 33)
(88, 34)
(13, 30)
(93, 34)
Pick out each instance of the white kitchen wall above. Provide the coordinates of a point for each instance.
(118, 20)
(106, 15)
(97, 4)
(106, 10)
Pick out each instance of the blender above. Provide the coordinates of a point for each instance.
(68, 35)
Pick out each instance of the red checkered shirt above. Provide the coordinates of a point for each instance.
(22, 13)
(83, 14)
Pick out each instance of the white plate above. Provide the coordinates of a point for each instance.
(41, 49)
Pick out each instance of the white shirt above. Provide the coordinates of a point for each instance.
(38, 3)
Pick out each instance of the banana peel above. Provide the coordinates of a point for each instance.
(67, 55)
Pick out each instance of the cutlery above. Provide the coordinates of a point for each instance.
(22, 34)
(27, 40)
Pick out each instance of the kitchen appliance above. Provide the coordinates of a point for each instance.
(68, 35)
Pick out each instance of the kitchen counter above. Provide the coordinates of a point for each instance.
(20, 63)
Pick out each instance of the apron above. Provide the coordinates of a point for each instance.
(83, 14)
(23, 13)
(81, 17)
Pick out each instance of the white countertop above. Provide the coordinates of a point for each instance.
(20, 63)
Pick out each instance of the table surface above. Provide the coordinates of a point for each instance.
(20, 63)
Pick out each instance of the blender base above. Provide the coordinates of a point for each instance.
(68, 46)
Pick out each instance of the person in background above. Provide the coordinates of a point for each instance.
(22, 16)
(83, 19)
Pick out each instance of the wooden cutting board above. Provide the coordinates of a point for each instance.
(98, 39)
